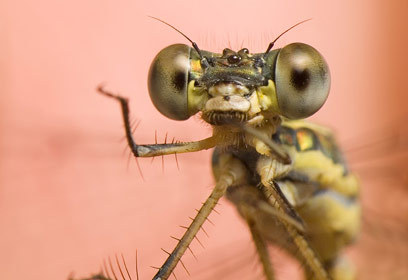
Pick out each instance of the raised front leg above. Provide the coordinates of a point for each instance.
(155, 149)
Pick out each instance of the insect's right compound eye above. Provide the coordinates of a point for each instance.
(168, 81)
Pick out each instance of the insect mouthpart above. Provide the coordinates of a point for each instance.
(228, 104)
(224, 118)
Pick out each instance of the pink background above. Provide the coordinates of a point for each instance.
(68, 199)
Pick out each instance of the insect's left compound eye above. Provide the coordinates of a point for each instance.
(168, 81)
(302, 80)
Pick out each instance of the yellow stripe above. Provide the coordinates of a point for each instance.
(321, 169)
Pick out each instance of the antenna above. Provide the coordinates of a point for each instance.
(271, 44)
(185, 36)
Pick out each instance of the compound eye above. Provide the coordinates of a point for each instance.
(302, 80)
(168, 81)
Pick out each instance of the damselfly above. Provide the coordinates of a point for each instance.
(286, 177)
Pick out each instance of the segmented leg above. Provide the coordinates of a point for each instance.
(156, 149)
(260, 216)
(253, 207)
(262, 251)
(269, 169)
(231, 171)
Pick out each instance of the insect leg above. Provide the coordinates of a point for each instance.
(230, 172)
(269, 168)
(262, 250)
(155, 149)
(248, 200)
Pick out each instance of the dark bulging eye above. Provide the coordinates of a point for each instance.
(168, 81)
(302, 80)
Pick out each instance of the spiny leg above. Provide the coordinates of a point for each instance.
(155, 149)
(306, 253)
(262, 250)
(269, 169)
(249, 202)
(230, 172)
(259, 214)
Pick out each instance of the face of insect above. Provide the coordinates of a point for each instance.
(236, 87)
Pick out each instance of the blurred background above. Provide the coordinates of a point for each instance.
(70, 198)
